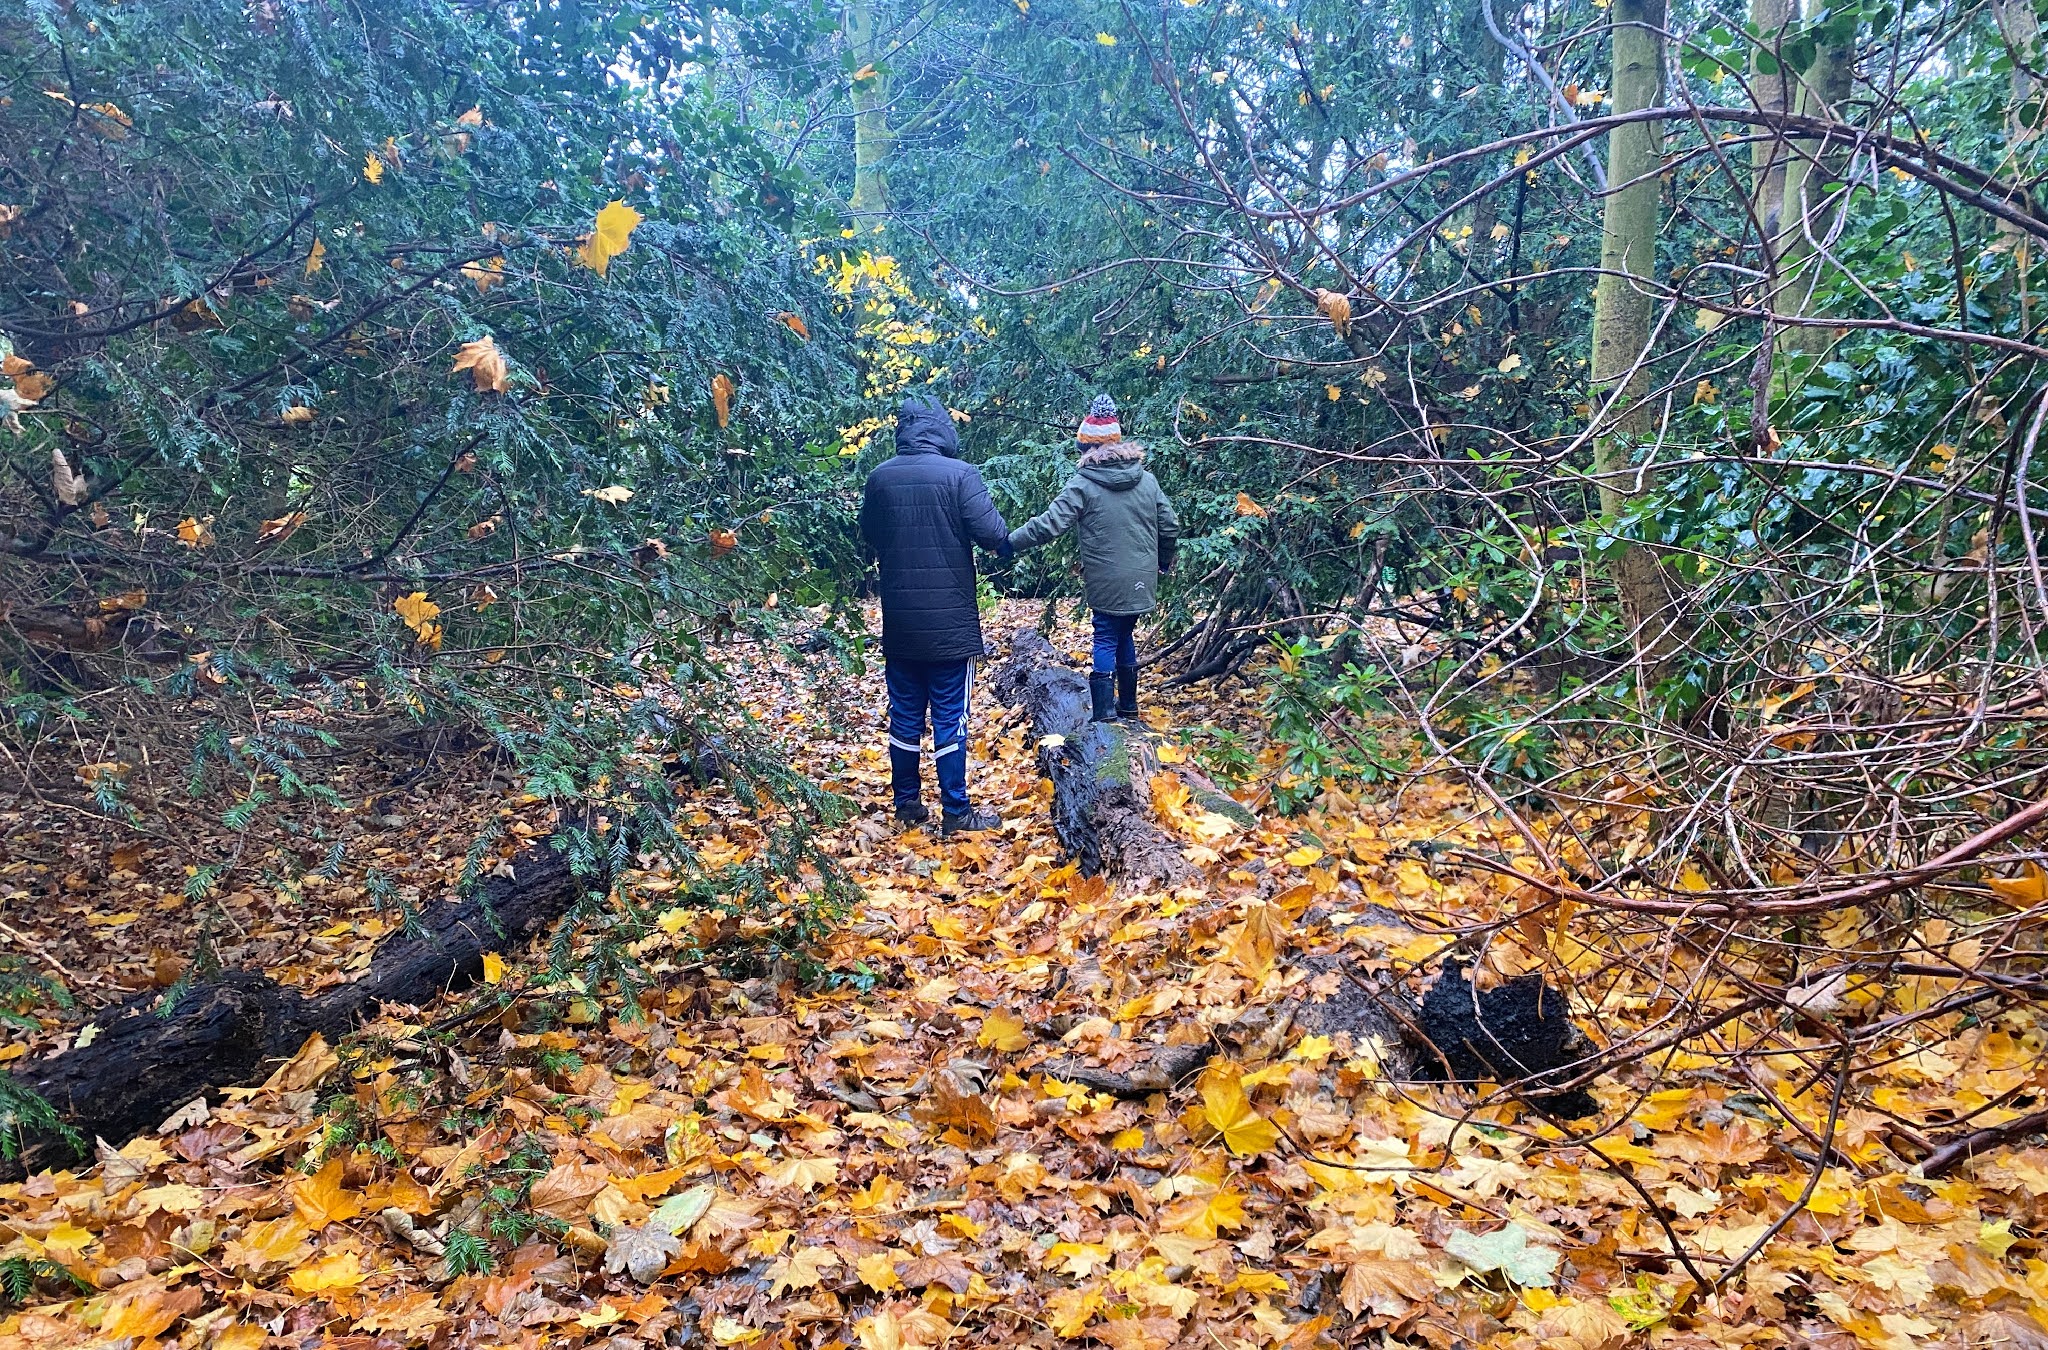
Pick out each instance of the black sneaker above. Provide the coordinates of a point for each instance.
(913, 815)
(967, 822)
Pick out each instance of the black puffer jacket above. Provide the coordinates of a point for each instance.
(923, 512)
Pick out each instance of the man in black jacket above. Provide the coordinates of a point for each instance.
(923, 512)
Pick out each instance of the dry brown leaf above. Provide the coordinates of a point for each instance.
(485, 364)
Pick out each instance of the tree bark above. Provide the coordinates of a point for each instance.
(1773, 90)
(1101, 772)
(1624, 309)
(1813, 165)
(151, 1056)
(872, 137)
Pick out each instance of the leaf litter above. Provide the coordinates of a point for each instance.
(875, 1151)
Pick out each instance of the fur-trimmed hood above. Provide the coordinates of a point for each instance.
(1117, 452)
(1119, 466)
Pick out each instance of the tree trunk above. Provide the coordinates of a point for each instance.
(1101, 772)
(1773, 90)
(1809, 206)
(872, 137)
(2021, 30)
(152, 1055)
(1624, 310)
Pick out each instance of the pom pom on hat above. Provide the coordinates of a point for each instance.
(1100, 427)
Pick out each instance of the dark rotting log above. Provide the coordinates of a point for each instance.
(156, 1052)
(1518, 1032)
(1101, 772)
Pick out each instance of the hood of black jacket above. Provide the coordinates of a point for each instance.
(924, 427)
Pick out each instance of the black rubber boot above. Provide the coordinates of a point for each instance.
(1127, 692)
(913, 815)
(1102, 688)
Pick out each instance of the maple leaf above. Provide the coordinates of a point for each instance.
(1384, 1287)
(795, 323)
(340, 1270)
(417, 611)
(195, 533)
(721, 398)
(801, 1269)
(321, 1199)
(567, 1189)
(143, 1310)
(1509, 1251)
(486, 274)
(614, 495)
(1001, 1031)
(1255, 944)
(609, 235)
(485, 364)
(641, 1252)
(373, 168)
(1336, 308)
(1572, 1325)
(297, 415)
(1247, 507)
(278, 530)
(69, 487)
(494, 964)
(805, 1174)
(877, 1270)
(1224, 1106)
(411, 1315)
(316, 256)
(903, 1327)
(270, 1243)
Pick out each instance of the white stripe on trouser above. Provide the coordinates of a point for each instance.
(960, 742)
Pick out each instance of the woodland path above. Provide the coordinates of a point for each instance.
(880, 1157)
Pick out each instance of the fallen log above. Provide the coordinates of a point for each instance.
(154, 1053)
(1101, 772)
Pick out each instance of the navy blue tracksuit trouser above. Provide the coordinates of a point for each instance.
(941, 688)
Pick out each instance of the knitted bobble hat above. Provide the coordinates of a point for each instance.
(1099, 426)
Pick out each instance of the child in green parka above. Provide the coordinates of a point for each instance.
(1127, 532)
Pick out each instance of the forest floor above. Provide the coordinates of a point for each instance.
(884, 1153)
